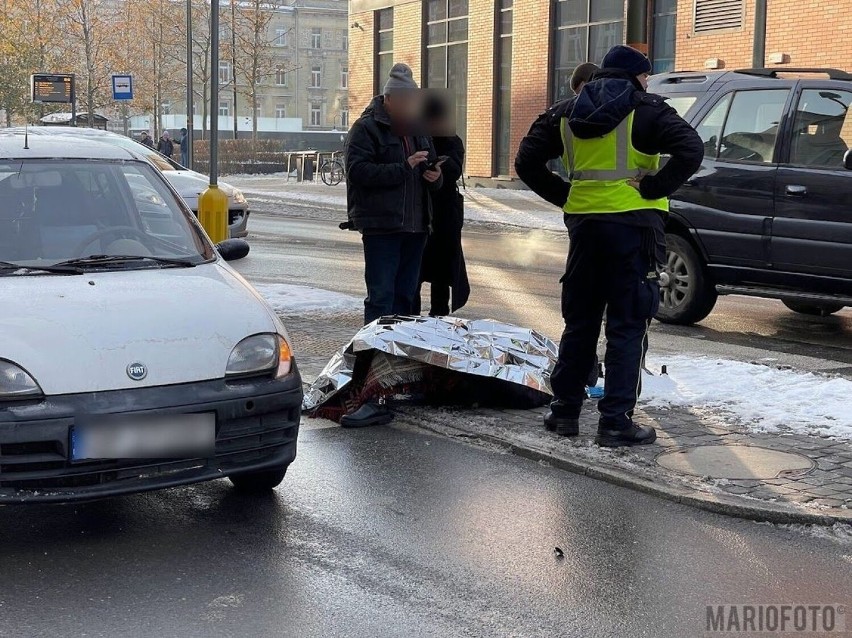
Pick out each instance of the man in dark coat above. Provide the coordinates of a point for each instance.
(165, 145)
(184, 148)
(388, 195)
(610, 137)
(146, 139)
(443, 261)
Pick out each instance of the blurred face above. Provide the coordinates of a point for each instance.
(643, 79)
(402, 106)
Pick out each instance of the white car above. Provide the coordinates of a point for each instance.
(133, 356)
(188, 183)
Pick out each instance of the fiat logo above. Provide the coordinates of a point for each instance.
(137, 371)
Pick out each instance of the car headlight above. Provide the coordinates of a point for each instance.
(259, 354)
(238, 196)
(16, 383)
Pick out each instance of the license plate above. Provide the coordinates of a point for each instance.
(176, 436)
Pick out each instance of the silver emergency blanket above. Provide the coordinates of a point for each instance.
(410, 350)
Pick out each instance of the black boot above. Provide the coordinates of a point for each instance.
(563, 426)
(633, 434)
(367, 414)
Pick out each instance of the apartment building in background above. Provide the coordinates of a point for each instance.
(505, 61)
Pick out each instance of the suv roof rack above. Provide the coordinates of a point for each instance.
(833, 74)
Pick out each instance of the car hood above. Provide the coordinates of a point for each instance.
(192, 184)
(79, 333)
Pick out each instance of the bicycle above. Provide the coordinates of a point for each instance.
(333, 170)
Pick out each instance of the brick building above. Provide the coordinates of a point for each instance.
(506, 60)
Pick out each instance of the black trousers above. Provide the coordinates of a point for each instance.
(392, 273)
(610, 266)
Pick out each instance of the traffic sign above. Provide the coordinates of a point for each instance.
(122, 87)
(52, 88)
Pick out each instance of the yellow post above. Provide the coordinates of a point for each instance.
(213, 213)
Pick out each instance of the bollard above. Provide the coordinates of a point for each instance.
(213, 213)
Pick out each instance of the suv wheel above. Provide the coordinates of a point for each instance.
(686, 294)
(261, 481)
(816, 310)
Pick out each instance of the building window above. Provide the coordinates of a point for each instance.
(446, 53)
(663, 25)
(280, 111)
(281, 77)
(345, 43)
(344, 77)
(316, 115)
(714, 15)
(316, 77)
(224, 108)
(280, 39)
(258, 111)
(585, 31)
(502, 138)
(166, 107)
(384, 47)
(344, 118)
(225, 72)
(316, 38)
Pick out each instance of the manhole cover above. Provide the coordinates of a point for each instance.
(734, 462)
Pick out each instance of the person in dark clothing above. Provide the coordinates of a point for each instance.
(582, 75)
(184, 148)
(387, 192)
(146, 139)
(610, 138)
(165, 146)
(443, 260)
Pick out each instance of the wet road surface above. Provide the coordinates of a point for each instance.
(385, 532)
(515, 275)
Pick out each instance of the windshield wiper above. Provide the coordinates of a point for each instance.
(8, 267)
(104, 260)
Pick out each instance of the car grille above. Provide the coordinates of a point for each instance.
(45, 465)
(233, 215)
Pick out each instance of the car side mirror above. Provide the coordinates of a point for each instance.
(847, 160)
(233, 249)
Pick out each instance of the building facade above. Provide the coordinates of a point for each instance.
(505, 61)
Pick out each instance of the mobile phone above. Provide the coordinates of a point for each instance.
(432, 165)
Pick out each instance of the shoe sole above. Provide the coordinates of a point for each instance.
(383, 419)
(611, 442)
(562, 431)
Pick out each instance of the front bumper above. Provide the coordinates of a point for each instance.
(257, 423)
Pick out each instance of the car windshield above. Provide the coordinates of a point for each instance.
(681, 103)
(56, 211)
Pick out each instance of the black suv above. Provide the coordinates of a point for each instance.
(769, 214)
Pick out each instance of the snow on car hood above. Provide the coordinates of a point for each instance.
(79, 333)
(192, 184)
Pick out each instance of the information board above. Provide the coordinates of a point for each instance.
(53, 88)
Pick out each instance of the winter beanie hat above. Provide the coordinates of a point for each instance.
(401, 79)
(627, 59)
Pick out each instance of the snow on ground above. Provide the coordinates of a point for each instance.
(510, 207)
(763, 398)
(291, 299)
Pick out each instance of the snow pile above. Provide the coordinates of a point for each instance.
(763, 398)
(290, 299)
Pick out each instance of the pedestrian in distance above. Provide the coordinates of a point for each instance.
(146, 139)
(390, 170)
(610, 138)
(184, 147)
(443, 260)
(165, 145)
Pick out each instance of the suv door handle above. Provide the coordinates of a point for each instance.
(796, 190)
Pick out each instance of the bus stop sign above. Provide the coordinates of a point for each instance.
(122, 87)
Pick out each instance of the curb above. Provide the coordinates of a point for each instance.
(749, 509)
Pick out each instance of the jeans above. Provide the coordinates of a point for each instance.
(392, 273)
(611, 266)
(184, 159)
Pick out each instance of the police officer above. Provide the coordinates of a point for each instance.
(609, 138)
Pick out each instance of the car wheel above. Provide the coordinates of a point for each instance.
(816, 310)
(261, 481)
(686, 294)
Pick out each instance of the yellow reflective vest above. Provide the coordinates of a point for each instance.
(600, 169)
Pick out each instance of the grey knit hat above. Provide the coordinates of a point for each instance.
(401, 79)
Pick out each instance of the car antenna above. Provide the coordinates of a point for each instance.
(26, 136)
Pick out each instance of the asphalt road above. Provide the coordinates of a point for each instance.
(514, 277)
(386, 532)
